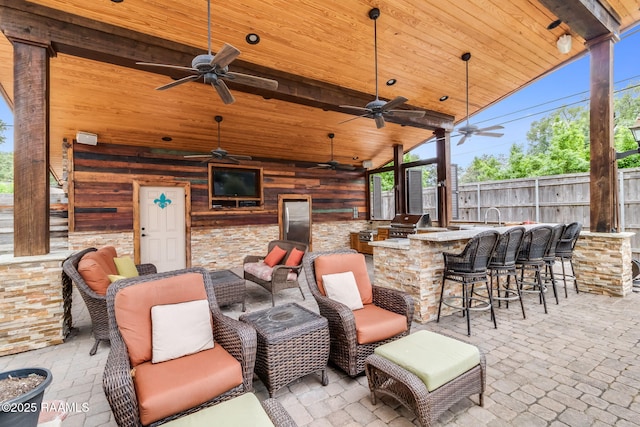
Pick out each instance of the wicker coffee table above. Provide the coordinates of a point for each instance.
(292, 342)
(228, 287)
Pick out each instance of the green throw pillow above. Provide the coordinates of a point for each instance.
(126, 267)
(114, 277)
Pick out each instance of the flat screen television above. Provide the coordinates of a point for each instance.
(235, 182)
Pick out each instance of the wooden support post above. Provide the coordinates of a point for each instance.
(443, 153)
(603, 197)
(31, 149)
(398, 178)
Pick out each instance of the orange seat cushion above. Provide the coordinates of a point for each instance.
(375, 324)
(167, 388)
(133, 309)
(341, 263)
(95, 268)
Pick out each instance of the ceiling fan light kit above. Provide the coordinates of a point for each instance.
(214, 69)
(378, 108)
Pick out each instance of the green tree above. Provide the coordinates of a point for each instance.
(559, 143)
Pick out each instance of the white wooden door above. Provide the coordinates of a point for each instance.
(162, 227)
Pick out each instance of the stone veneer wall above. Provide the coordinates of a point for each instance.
(32, 303)
(225, 247)
(603, 263)
(417, 270)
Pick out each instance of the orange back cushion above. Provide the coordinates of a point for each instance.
(274, 256)
(95, 267)
(133, 309)
(341, 263)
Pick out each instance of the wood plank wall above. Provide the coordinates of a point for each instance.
(102, 178)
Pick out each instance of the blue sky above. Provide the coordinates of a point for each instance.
(565, 86)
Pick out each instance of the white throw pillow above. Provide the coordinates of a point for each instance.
(180, 329)
(342, 287)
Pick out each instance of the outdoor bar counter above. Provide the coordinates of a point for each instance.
(414, 265)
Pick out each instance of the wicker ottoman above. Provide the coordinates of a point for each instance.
(292, 342)
(243, 410)
(437, 371)
(228, 287)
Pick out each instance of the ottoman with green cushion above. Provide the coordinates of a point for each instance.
(427, 372)
(241, 411)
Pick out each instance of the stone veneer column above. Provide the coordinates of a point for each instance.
(32, 303)
(603, 263)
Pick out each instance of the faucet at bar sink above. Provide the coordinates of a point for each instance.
(492, 209)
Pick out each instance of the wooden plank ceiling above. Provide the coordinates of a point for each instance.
(419, 44)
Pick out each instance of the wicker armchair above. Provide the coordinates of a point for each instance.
(237, 338)
(280, 277)
(345, 351)
(96, 303)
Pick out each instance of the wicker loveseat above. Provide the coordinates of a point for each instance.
(145, 390)
(282, 275)
(95, 300)
(352, 333)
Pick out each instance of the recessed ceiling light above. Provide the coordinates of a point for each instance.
(252, 38)
(444, 98)
(117, 1)
(165, 138)
(391, 82)
(554, 24)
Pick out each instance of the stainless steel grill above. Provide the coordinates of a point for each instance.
(367, 235)
(403, 225)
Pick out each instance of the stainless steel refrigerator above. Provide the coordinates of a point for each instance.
(294, 218)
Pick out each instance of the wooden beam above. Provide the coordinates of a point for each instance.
(587, 18)
(31, 149)
(603, 160)
(443, 153)
(86, 38)
(398, 179)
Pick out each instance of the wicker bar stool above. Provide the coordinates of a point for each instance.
(550, 257)
(503, 264)
(564, 252)
(470, 268)
(531, 259)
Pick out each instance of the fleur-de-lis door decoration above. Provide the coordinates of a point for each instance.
(162, 201)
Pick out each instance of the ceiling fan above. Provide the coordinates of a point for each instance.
(377, 108)
(333, 164)
(219, 153)
(468, 130)
(215, 69)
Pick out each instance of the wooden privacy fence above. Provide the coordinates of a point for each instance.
(557, 198)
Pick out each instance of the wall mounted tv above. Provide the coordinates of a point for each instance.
(235, 182)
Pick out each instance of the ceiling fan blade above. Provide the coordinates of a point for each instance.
(345, 167)
(239, 156)
(399, 100)
(174, 67)
(197, 156)
(225, 56)
(249, 80)
(356, 117)
(224, 92)
(496, 127)
(406, 113)
(462, 140)
(355, 109)
(493, 134)
(232, 159)
(379, 121)
(178, 82)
